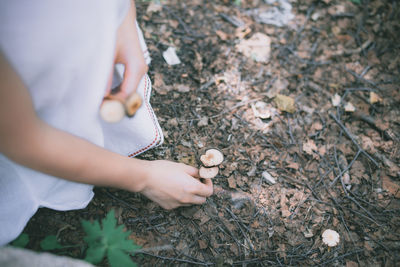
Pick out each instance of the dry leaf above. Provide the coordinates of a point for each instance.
(222, 35)
(242, 32)
(231, 182)
(374, 98)
(182, 88)
(336, 100)
(262, 110)
(316, 126)
(268, 178)
(189, 160)
(202, 244)
(258, 47)
(170, 56)
(349, 107)
(153, 7)
(351, 264)
(293, 165)
(285, 103)
(390, 186)
(309, 147)
(203, 122)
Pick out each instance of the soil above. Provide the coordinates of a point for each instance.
(334, 168)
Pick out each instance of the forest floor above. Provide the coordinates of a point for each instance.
(332, 146)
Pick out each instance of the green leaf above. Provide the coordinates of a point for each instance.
(108, 239)
(117, 258)
(21, 241)
(94, 254)
(50, 243)
(356, 1)
(93, 231)
(109, 223)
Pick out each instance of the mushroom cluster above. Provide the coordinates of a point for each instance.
(114, 108)
(211, 159)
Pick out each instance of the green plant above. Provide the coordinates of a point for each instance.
(21, 241)
(50, 242)
(356, 1)
(108, 240)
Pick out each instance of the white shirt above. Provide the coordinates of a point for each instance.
(63, 51)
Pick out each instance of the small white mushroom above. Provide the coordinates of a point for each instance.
(213, 157)
(330, 238)
(133, 103)
(112, 110)
(208, 173)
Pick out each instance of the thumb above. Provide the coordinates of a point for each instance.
(132, 77)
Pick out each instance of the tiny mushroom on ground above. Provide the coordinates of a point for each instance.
(330, 238)
(213, 157)
(208, 173)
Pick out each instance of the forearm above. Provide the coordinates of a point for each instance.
(27, 140)
(63, 155)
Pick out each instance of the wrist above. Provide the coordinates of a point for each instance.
(138, 175)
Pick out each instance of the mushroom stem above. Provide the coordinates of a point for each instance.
(133, 103)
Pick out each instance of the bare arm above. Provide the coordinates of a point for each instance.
(29, 141)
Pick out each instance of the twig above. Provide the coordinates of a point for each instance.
(240, 104)
(346, 131)
(207, 84)
(176, 259)
(365, 118)
(187, 29)
(240, 225)
(235, 22)
(346, 169)
(352, 51)
(120, 200)
(341, 256)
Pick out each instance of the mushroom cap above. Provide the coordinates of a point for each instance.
(133, 103)
(213, 157)
(330, 237)
(112, 111)
(208, 173)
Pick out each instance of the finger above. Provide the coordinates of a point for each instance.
(198, 200)
(109, 83)
(130, 80)
(192, 171)
(204, 189)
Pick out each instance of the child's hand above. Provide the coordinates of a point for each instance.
(129, 53)
(173, 184)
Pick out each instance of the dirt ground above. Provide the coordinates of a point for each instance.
(334, 155)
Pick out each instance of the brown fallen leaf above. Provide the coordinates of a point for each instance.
(202, 244)
(309, 147)
(374, 98)
(231, 182)
(258, 47)
(390, 186)
(349, 107)
(222, 35)
(285, 103)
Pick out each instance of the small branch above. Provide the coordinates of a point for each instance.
(347, 132)
(176, 259)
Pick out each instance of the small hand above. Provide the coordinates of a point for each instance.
(129, 53)
(173, 184)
